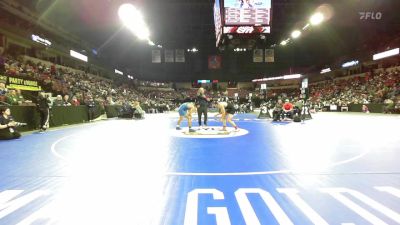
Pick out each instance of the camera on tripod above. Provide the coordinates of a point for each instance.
(18, 124)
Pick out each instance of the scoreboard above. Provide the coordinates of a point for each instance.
(242, 17)
(246, 16)
(257, 16)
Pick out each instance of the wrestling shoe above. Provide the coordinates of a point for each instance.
(192, 130)
(178, 128)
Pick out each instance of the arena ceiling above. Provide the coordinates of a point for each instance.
(189, 23)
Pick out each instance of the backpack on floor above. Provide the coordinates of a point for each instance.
(296, 119)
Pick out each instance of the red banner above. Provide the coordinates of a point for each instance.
(214, 62)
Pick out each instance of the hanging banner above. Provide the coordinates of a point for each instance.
(180, 55)
(214, 62)
(269, 55)
(169, 56)
(258, 55)
(156, 56)
(304, 83)
(20, 83)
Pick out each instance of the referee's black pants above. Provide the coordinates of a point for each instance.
(202, 110)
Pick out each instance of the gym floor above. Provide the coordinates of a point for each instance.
(338, 168)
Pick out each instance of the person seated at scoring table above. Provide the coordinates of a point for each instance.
(288, 108)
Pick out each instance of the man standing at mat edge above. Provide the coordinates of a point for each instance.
(43, 105)
(186, 110)
(202, 106)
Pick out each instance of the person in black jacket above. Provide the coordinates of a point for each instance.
(91, 104)
(202, 106)
(7, 125)
(43, 106)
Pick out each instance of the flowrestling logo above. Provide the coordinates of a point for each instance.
(370, 15)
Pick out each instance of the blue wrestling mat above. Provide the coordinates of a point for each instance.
(334, 169)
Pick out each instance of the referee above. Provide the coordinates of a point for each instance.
(202, 106)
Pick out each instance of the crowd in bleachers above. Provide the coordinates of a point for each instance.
(382, 87)
(284, 93)
(74, 88)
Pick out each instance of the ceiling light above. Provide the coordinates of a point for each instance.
(118, 72)
(296, 34)
(306, 26)
(351, 63)
(291, 76)
(327, 70)
(386, 54)
(133, 20)
(316, 19)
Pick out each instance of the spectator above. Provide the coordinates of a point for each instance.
(53, 70)
(91, 104)
(389, 106)
(12, 97)
(66, 100)
(2, 62)
(110, 101)
(397, 105)
(276, 114)
(298, 106)
(3, 90)
(20, 97)
(75, 101)
(138, 113)
(126, 111)
(59, 101)
(365, 109)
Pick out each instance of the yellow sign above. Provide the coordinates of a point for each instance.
(20, 83)
(23, 87)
